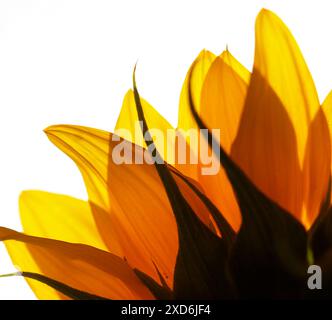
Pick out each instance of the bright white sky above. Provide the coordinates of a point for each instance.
(71, 62)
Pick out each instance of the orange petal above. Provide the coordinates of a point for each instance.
(222, 102)
(279, 61)
(186, 123)
(266, 149)
(191, 196)
(137, 221)
(281, 105)
(223, 96)
(317, 168)
(82, 267)
(327, 109)
(137, 213)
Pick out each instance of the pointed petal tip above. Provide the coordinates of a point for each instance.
(226, 54)
(129, 92)
(57, 134)
(23, 196)
(265, 12)
(46, 129)
(53, 128)
(204, 53)
(266, 15)
(63, 128)
(227, 57)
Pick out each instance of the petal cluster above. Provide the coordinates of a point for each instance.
(276, 136)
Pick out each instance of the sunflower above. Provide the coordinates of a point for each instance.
(167, 231)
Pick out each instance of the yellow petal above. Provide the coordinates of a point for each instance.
(280, 107)
(222, 102)
(137, 221)
(236, 66)
(279, 61)
(197, 72)
(319, 160)
(266, 149)
(128, 119)
(59, 217)
(89, 149)
(82, 267)
(133, 208)
(166, 139)
(193, 82)
(317, 168)
(223, 96)
(327, 108)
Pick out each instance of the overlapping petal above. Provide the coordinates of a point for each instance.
(170, 143)
(59, 217)
(327, 108)
(271, 124)
(273, 135)
(194, 83)
(130, 205)
(186, 123)
(128, 200)
(80, 266)
(128, 122)
(222, 100)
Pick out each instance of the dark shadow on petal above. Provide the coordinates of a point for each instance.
(317, 165)
(265, 147)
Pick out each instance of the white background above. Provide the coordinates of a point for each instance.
(71, 62)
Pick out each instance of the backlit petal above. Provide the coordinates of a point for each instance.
(222, 102)
(59, 217)
(128, 119)
(133, 214)
(197, 72)
(223, 96)
(168, 140)
(327, 108)
(279, 61)
(137, 221)
(186, 123)
(82, 267)
(317, 168)
(280, 107)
